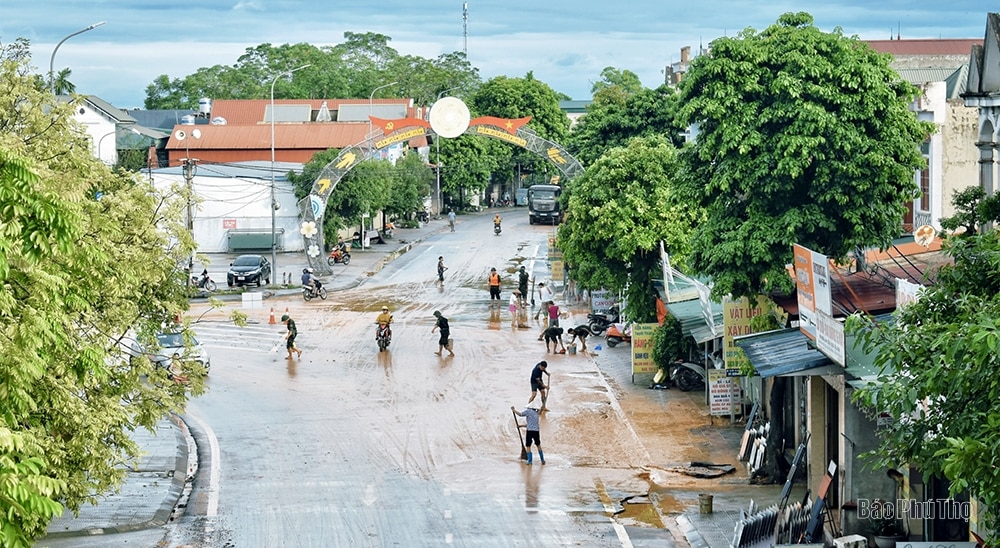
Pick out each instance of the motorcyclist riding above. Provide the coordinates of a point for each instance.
(385, 318)
(496, 223)
(310, 279)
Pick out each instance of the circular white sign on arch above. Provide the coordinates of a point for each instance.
(449, 117)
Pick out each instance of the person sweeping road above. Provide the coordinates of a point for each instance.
(532, 434)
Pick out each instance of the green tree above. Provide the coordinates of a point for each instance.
(79, 277)
(613, 120)
(506, 97)
(625, 80)
(619, 211)
(350, 70)
(802, 137)
(939, 363)
(972, 209)
(411, 182)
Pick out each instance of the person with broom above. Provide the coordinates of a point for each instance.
(531, 433)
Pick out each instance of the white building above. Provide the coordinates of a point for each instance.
(232, 210)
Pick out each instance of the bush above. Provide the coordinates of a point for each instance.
(668, 342)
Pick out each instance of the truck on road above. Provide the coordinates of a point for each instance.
(543, 204)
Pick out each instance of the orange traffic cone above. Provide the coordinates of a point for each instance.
(271, 320)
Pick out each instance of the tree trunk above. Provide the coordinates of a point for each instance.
(775, 466)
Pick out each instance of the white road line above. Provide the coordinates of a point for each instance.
(606, 501)
(212, 490)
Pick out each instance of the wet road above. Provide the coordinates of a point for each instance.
(347, 446)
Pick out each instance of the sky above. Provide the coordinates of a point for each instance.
(563, 43)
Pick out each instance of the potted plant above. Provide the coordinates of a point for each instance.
(885, 528)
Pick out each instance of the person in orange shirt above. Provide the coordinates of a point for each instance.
(494, 281)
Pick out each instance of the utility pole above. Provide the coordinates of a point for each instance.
(189, 171)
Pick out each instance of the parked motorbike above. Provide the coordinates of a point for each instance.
(309, 293)
(339, 255)
(619, 333)
(383, 336)
(203, 282)
(684, 375)
(600, 322)
(688, 376)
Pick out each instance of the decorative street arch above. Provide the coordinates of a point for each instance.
(448, 118)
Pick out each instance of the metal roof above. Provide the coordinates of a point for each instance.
(287, 136)
(926, 46)
(693, 324)
(785, 353)
(244, 112)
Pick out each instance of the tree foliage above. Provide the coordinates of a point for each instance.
(507, 97)
(802, 137)
(939, 364)
(619, 211)
(79, 276)
(367, 189)
(352, 69)
(611, 120)
(973, 208)
(624, 80)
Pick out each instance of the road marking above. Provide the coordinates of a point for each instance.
(610, 510)
(212, 490)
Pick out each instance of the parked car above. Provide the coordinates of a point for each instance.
(171, 346)
(248, 269)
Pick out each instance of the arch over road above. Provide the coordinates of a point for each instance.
(388, 132)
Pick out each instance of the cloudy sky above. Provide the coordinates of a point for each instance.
(564, 43)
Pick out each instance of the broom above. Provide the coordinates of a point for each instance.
(524, 451)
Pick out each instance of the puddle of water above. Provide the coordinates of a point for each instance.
(639, 510)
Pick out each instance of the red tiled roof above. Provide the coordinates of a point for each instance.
(926, 46)
(245, 112)
(322, 135)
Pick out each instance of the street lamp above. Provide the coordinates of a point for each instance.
(274, 205)
(371, 99)
(437, 158)
(52, 60)
(114, 157)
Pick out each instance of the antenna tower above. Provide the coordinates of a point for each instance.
(465, 28)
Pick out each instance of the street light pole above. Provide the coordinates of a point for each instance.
(52, 60)
(274, 205)
(437, 158)
(371, 100)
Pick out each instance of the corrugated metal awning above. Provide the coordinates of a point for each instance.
(692, 319)
(785, 353)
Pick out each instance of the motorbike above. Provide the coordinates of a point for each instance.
(203, 282)
(309, 293)
(496, 229)
(600, 322)
(339, 255)
(383, 336)
(619, 333)
(688, 376)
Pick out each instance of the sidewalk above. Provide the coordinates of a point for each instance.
(153, 490)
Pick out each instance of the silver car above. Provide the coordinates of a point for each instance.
(171, 346)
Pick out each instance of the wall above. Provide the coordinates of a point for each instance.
(242, 202)
(960, 168)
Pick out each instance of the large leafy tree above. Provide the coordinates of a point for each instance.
(507, 97)
(939, 361)
(614, 118)
(78, 276)
(352, 69)
(620, 210)
(803, 136)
